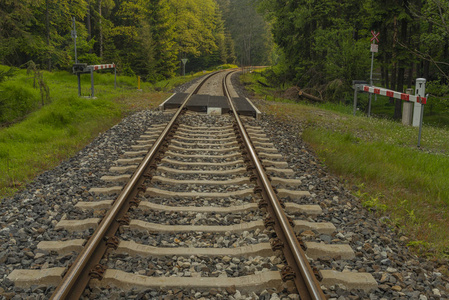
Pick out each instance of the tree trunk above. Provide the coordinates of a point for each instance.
(400, 87)
(426, 67)
(401, 72)
(394, 55)
(410, 76)
(385, 59)
(47, 25)
(101, 28)
(89, 24)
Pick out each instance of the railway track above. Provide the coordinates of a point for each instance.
(211, 210)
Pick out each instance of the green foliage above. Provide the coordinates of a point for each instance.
(325, 44)
(374, 204)
(145, 38)
(345, 58)
(250, 33)
(46, 135)
(16, 101)
(7, 74)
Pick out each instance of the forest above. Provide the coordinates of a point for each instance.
(324, 45)
(143, 37)
(320, 46)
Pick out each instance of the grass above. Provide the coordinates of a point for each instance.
(39, 138)
(379, 157)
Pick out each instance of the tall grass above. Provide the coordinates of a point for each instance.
(407, 184)
(16, 101)
(48, 134)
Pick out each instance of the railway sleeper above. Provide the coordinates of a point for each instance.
(92, 223)
(311, 210)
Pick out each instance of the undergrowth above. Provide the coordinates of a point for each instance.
(395, 179)
(37, 135)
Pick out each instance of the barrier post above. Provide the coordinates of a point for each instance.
(138, 82)
(420, 126)
(421, 92)
(79, 83)
(357, 85)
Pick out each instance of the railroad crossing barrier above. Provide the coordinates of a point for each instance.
(79, 69)
(419, 99)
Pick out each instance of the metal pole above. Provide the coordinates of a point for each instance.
(355, 100)
(92, 82)
(184, 69)
(79, 84)
(371, 83)
(420, 125)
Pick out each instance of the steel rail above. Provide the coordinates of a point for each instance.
(76, 279)
(314, 290)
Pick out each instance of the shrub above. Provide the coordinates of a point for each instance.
(16, 101)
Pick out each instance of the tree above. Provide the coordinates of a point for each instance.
(144, 37)
(163, 32)
(249, 31)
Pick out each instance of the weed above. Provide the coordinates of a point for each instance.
(373, 204)
(420, 246)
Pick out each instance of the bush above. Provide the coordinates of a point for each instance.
(16, 101)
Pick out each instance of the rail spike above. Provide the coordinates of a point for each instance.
(98, 272)
(277, 244)
(112, 242)
(287, 273)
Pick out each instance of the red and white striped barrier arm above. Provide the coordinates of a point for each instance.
(102, 67)
(393, 94)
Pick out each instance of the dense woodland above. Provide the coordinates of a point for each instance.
(319, 45)
(143, 37)
(325, 44)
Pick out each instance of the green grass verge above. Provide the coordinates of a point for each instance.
(42, 138)
(379, 157)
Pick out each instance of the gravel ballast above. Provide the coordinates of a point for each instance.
(31, 215)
